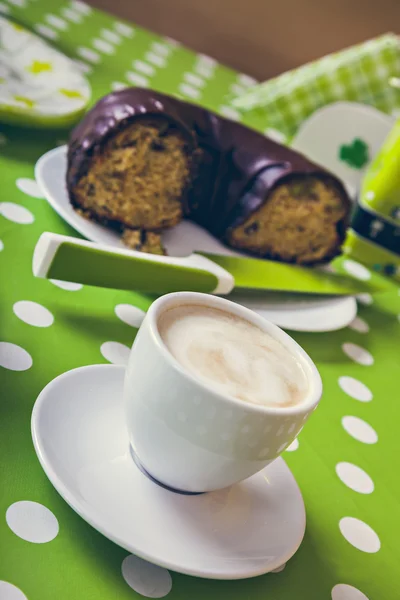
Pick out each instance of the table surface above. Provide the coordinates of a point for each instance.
(345, 460)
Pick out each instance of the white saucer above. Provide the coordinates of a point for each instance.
(80, 438)
(286, 310)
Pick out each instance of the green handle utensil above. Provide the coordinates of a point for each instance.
(62, 257)
(71, 259)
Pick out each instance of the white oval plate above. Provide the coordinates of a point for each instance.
(286, 310)
(79, 434)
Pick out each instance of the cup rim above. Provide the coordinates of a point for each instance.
(181, 298)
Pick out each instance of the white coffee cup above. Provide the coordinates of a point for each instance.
(194, 439)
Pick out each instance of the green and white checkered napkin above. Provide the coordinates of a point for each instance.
(360, 74)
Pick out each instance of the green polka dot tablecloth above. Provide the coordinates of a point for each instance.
(345, 461)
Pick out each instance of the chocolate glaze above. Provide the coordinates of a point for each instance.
(241, 165)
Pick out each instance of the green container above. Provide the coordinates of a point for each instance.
(374, 237)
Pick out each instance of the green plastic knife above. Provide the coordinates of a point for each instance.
(71, 259)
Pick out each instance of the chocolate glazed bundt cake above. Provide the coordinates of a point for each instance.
(140, 161)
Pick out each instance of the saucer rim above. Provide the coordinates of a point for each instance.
(78, 507)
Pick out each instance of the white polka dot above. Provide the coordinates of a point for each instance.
(143, 67)
(204, 59)
(131, 315)
(156, 59)
(365, 298)
(360, 430)
(291, 428)
(275, 135)
(181, 416)
(280, 430)
(193, 79)
(246, 80)
(16, 213)
(355, 478)
(137, 79)
(356, 389)
(103, 46)
(281, 448)
(279, 569)
(8, 591)
(124, 29)
(358, 354)
(145, 578)
(267, 428)
(69, 286)
(71, 15)
(118, 85)
(82, 66)
(56, 22)
(111, 36)
(1, 245)
(162, 49)
(82, 7)
(189, 90)
(359, 325)
(230, 113)
(32, 522)
(33, 313)
(293, 446)
(245, 429)
(14, 357)
(88, 54)
(342, 591)
(237, 89)
(359, 534)
(357, 270)
(46, 31)
(204, 70)
(115, 352)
